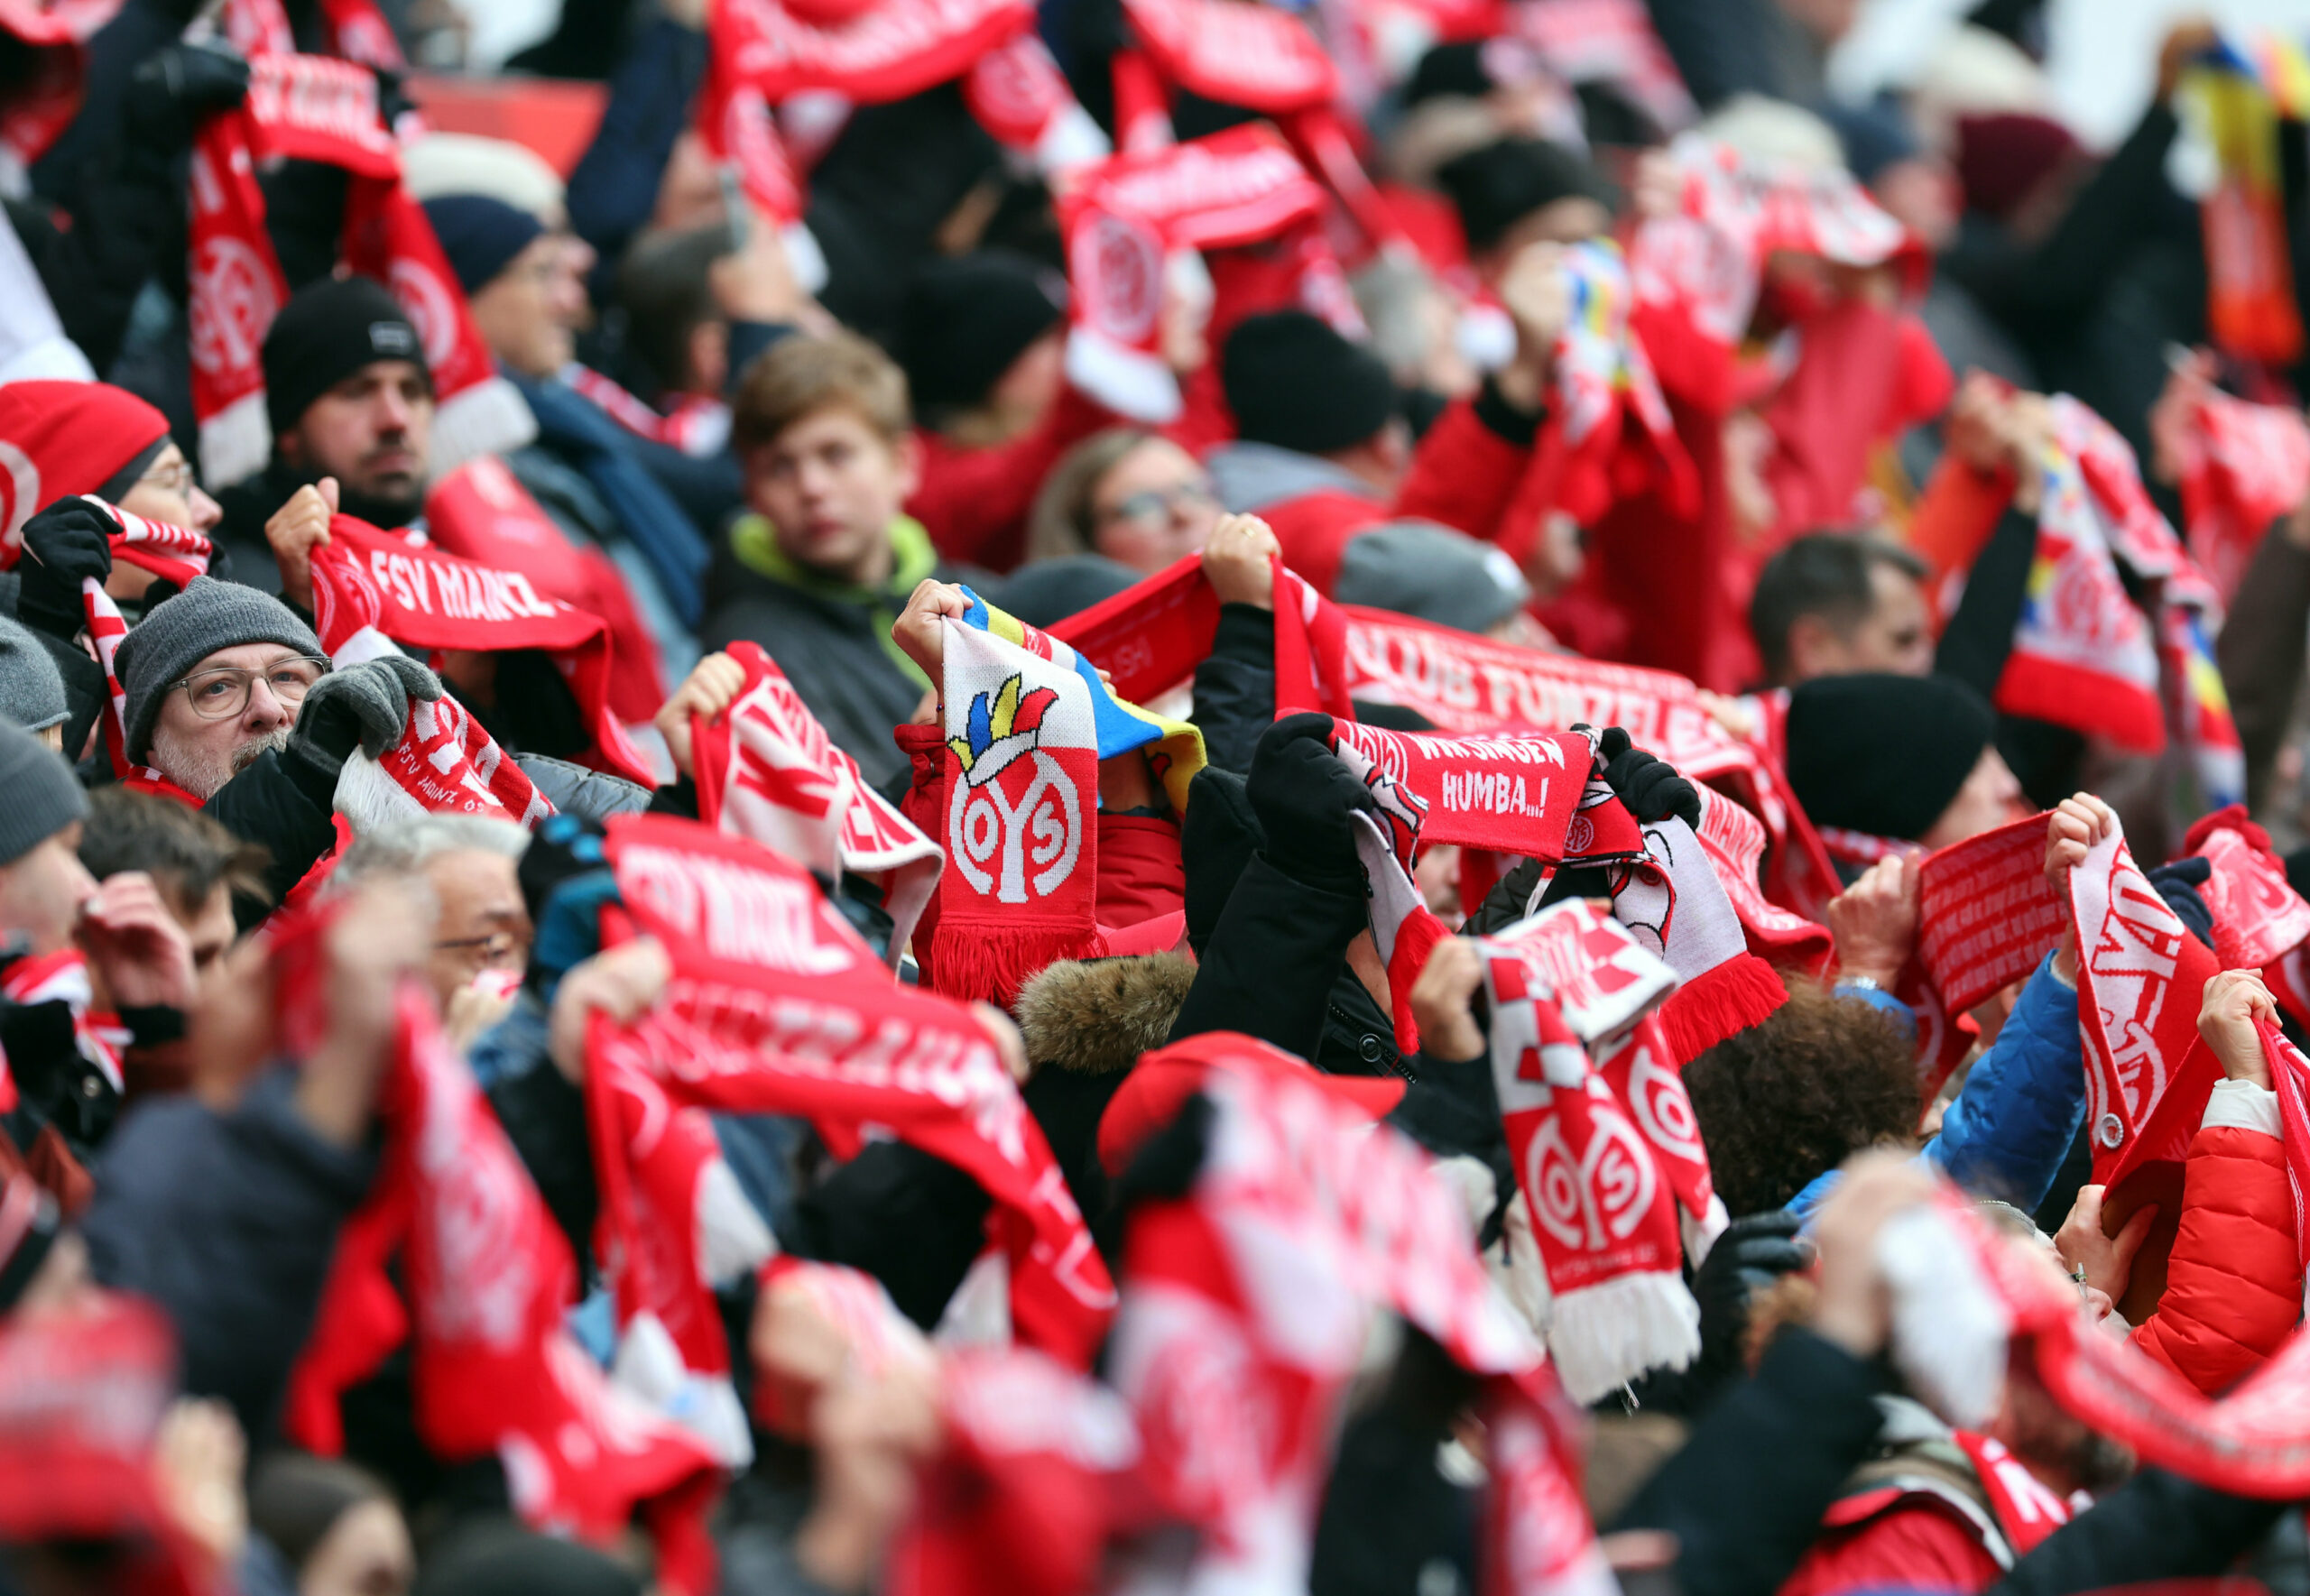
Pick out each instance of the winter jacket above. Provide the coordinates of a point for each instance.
(2233, 1279)
(228, 1221)
(833, 641)
(2007, 1132)
(1916, 1514)
(1741, 1529)
(1235, 688)
(973, 502)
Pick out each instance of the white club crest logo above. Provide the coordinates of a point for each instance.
(1014, 823)
(232, 304)
(1588, 1203)
(434, 314)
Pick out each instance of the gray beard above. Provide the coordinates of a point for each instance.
(200, 770)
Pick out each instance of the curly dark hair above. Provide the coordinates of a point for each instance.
(1783, 1101)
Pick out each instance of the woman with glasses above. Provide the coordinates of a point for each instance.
(1128, 495)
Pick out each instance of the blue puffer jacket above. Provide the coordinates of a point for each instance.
(2006, 1133)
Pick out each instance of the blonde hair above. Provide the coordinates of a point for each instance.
(798, 377)
(1061, 522)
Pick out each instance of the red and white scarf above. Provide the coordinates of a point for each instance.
(488, 1278)
(2243, 466)
(1128, 218)
(1150, 637)
(761, 52)
(1021, 817)
(62, 977)
(405, 591)
(776, 1006)
(1966, 1303)
(174, 555)
(2084, 655)
(481, 513)
(1986, 913)
(2139, 976)
(698, 425)
(1698, 273)
(1604, 1213)
(317, 108)
(1245, 1318)
(1612, 42)
(767, 771)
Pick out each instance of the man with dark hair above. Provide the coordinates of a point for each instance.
(350, 399)
(1836, 604)
(198, 866)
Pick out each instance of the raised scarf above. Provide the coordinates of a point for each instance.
(54, 38)
(174, 555)
(1698, 272)
(767, 771)
(353, 29)
(2250, 268)
(776, 1006)
(1027, 721)
(317, 108)
(1126, 220)
(481, 512)
(413, 593)
(1243, 1318)
(487, 1279)
(1604, 1213)
(2242, 467)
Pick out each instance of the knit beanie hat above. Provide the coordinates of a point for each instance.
(328, 330)
(1875, 136)
(178, 634)
(1432, 573)
(62, 439)
(1884, 754)
(1294, 382)
(480, 235)
(2002, 159)
(43, 799)
(1499, 185)
(965, 320)
(32, 689)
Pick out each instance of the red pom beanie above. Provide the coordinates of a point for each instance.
(61, 439)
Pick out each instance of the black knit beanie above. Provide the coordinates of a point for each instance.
(1884, 754)
(1293, 382)
(965, 320)
(1498, 185)
(328, 330)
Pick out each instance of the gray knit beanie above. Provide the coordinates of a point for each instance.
(38, 796)
(32, 689)
(178, 634)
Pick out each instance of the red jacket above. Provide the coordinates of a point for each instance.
(1914, 1541)
(973, 502)
(2233, 1281)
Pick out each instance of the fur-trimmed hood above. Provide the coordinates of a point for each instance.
(1097, 1016)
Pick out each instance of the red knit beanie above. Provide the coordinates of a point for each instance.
(61, 439)
(2002, 159)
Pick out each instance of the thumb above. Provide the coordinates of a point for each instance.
(327, 486)
(2128, 1241)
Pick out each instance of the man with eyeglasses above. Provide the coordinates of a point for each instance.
(231, 706)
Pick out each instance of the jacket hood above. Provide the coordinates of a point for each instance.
(1097, 1016)
(1251, 476)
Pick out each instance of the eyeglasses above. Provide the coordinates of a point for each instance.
(175, 477)
(223, 691)
(489, 952)
(1156, 507)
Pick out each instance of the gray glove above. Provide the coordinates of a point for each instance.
(363, 705)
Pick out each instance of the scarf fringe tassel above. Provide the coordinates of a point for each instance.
(976, 963)
(1602, 1336)
(1720, 1002)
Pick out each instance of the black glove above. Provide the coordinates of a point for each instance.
(1303, 795)
(1646, 783)
(64, 544)
(363, 705)
(2177, 883)
(1755, 1250)
(176, 86)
